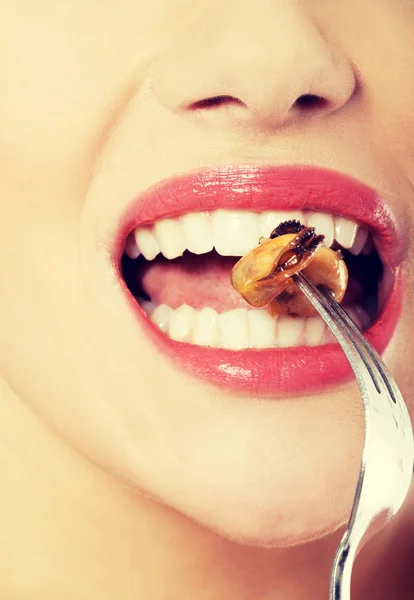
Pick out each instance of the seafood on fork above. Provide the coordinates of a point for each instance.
(263, 277)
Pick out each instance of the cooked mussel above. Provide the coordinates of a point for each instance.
(264, 276)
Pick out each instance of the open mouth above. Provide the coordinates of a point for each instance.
(175, 258)
(178, 270)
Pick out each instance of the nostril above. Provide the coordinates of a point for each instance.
(310, 102)
(216, 102)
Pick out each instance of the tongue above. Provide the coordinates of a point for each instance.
(198, 281)
(204, 280)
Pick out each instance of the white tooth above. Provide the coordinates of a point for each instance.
(131, 248)
(146, 242)
(234, 329)
(148, 306)
(270, 219)
(234, 232)
(262, 328)
(181, 323)
(170, 238)
(329, 337)
(161, 317)
(359, 242)
(352, 313)
(289, 331)
(345, 232)
(205, 328)
(196, 228)
(324, 224)
(315, 328)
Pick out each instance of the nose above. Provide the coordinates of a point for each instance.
(255, 62)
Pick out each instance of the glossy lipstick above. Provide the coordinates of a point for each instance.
(275, 371)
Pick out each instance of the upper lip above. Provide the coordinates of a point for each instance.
(259, 188)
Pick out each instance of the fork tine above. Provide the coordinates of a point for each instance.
(361, 344)
(355, 332)
(342, 327)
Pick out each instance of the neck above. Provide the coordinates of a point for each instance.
(73, 532)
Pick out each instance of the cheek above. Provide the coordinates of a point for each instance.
(62, 103)
(68, 79)
(62, 99)
(38, 308)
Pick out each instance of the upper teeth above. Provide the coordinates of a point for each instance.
(234, 232)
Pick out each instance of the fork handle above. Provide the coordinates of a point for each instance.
(340, 586)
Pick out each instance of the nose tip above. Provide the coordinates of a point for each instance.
(249, 70)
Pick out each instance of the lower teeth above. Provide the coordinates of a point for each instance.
(240, 328)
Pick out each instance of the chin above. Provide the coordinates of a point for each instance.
(258, 479)
(272, 520)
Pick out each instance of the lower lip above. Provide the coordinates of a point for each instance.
(277, 372)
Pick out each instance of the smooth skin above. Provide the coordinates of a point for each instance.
(121, 477)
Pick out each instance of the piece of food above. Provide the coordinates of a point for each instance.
(264, 276)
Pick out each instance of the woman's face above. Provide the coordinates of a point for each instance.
(102, 100)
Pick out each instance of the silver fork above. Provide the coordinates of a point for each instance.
(388, 455)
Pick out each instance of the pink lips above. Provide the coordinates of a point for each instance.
(279, 371)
